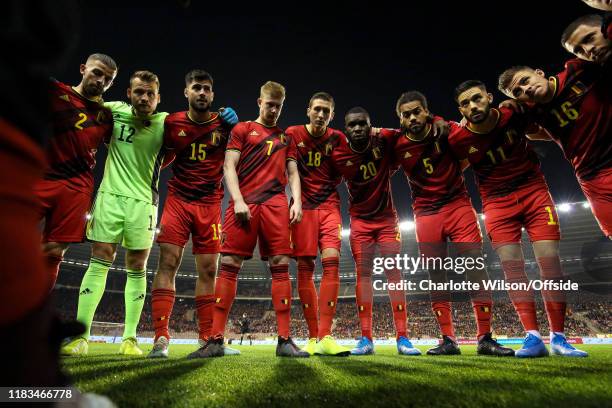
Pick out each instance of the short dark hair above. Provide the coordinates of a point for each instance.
(506, 77)
(146, 76)
(409, 97)
(589, 20)
(198, 75)
(103, 58)
(465, 85)
(356, 109)
(324, 96)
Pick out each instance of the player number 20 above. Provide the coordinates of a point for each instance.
(198, 152)
(216, 231)
(314, 159)
(369, 170)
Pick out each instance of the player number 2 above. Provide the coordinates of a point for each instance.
(216, 231)
(567, 110)
(551, 218)
(428, 167)
(369, 170)
(270, 144)
(82, 119)
(317, 159)
(200, 154)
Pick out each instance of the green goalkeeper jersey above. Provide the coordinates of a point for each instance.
(135, 154)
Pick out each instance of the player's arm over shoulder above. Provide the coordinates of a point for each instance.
(115, 106)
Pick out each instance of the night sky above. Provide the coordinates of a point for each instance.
(364, 56)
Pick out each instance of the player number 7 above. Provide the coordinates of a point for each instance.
(270, 144)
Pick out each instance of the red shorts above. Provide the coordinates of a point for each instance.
(598, 192)
(269, 224)
(319, 229)
(456, 222)
(64, 210)
(181, 219)
(532, 208)
(367, 235)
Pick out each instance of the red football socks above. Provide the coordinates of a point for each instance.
(482, 303)
(398, 303)
(364, 294)
(441, 306)
(225, 292)
(281, 298)
(204, 307)
(308, 296)
(523, 300)
(162, 301)
(328, 294)
(554, 300)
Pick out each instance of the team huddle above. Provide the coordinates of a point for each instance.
(257, 160)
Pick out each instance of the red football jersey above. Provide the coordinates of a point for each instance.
(368, 175)
(79, 125)
(579, 117)
(200, 151)
(433, 171)
(261, 169)
(502, 159)
(318, 176)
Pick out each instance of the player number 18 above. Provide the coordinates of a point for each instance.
(317, 159)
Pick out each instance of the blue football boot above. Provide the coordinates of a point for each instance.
(364, 347)
(560, 347)
(532, 347)
(405, 347)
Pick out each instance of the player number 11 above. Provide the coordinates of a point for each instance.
(216, 231)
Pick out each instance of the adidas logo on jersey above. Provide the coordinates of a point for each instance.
(65, 98)
(407, 155)
(301, 144)
(253, 133)
(349, 163)
(86, 291)
(182, 133)
(472, 150)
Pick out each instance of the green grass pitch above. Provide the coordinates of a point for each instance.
(258, 378)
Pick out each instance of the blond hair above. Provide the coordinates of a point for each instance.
(145, 76)
(273, 90)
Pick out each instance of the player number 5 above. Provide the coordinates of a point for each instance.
(428, 167)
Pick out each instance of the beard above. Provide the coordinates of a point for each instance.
(483, 115)
(201, 108)
(93, 90)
